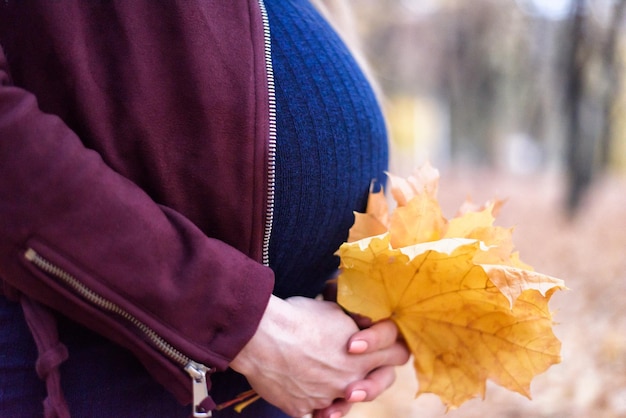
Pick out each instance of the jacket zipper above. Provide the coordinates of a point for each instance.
(196, 371)
(271, 178)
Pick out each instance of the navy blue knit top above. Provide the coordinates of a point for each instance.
(331, 144)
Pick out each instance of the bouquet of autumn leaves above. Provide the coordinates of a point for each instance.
(466, 305)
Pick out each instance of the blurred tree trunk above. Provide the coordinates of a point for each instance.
(588, 106)
(580, 150)
(472, 85)
(612, 71)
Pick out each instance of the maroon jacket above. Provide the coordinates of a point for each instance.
(135, 157)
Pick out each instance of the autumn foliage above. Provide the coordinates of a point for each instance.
(467, 306)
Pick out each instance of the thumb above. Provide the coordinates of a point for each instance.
(381, 335)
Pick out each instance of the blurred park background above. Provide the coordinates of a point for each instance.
(524, 100)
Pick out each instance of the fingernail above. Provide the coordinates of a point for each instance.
(335, 415)
(357, 396)
(358, 346)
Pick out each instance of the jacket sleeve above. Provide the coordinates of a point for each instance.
(82, 239)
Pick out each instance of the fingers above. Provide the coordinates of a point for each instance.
(372, 386)
(380, 343)
(338, 409)
(379, 336)
(364, 390)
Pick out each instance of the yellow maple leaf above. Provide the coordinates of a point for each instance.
(467, 307)
(420, 220)
(421, 190)
(374, 221)
(425, 180)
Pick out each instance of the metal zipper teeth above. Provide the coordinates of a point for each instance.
(198, 372)
(271, 183)
(104, 304)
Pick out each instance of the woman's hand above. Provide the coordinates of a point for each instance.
(306, 354)
(381, 336)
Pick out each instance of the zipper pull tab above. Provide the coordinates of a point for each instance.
(200, 392)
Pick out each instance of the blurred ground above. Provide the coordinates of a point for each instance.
(588, 253)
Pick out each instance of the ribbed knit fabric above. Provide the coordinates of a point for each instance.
(331, 145)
